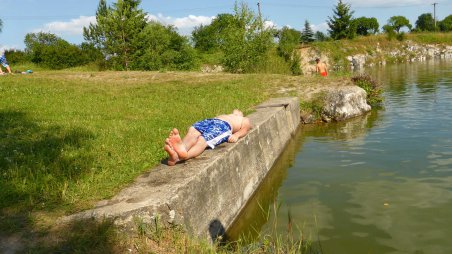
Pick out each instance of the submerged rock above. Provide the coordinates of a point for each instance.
(343, 103)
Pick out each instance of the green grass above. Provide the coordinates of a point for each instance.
(69, 139)
(431, 38)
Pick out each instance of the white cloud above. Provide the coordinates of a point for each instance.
(322, 27)
(269, 24)
(73, 27)
(385, 3)
(184, 24)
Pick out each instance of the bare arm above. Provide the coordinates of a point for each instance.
(246, 126)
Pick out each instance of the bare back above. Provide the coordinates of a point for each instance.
(321, 67)
(234, 121)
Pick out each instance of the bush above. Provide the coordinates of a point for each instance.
(161, 47)
(295, 67)
(289, 39)
(50, 51)
(371, 87)
(210, 37)
(401, 36)
(247, 43)
(16, 56)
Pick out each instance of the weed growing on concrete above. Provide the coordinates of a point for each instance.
(311, 111)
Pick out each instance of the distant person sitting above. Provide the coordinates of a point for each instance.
(4, 63)
(206, 133)
(321, 68)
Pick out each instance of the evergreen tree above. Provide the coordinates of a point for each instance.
(341, 24)
(95, 34)
(307, 35)
(117, 30)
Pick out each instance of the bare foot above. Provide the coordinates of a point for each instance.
(176, 143)
(173, 157)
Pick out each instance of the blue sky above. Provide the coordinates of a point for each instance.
(67, 17)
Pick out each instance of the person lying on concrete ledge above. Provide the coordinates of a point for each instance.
(206, 133)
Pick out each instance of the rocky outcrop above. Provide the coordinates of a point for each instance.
(408, 52)
(307, 56)
(212, 69)
(344, 103)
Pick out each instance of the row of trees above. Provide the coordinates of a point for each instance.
(342, 25)
(124, 39)
(124, 35)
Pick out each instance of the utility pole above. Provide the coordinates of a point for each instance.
(259, 9)
(434, 13)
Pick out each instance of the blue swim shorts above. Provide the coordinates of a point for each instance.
(214, 131)
(3, 61)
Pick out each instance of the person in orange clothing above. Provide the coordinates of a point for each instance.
(321, 68)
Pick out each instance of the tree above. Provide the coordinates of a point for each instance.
(341, 25)
(95, 33)
(53, 52)
(211, 37)
(319, 36)
(366, 26)
(289, 38)
(117, 30)
(425, 22)
(161, 47)
(307, 35)
(247, 42)
(397, 22)
(446, 24)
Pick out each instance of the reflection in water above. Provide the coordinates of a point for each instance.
(381, 183)
(256, 214)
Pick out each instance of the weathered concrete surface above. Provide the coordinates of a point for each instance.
(344, 102)
(206, 194)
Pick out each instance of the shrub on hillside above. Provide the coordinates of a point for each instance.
(161, 47)
(289, 39)
(50, 51)
(16, 56)
(247, 43)
(211, 37)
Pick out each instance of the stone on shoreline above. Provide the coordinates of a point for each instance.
(343, 103)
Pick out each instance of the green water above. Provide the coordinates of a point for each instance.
(381, 183)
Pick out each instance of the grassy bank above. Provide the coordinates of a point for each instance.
(71, 138)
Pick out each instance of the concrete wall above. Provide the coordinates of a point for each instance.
(206, 194)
